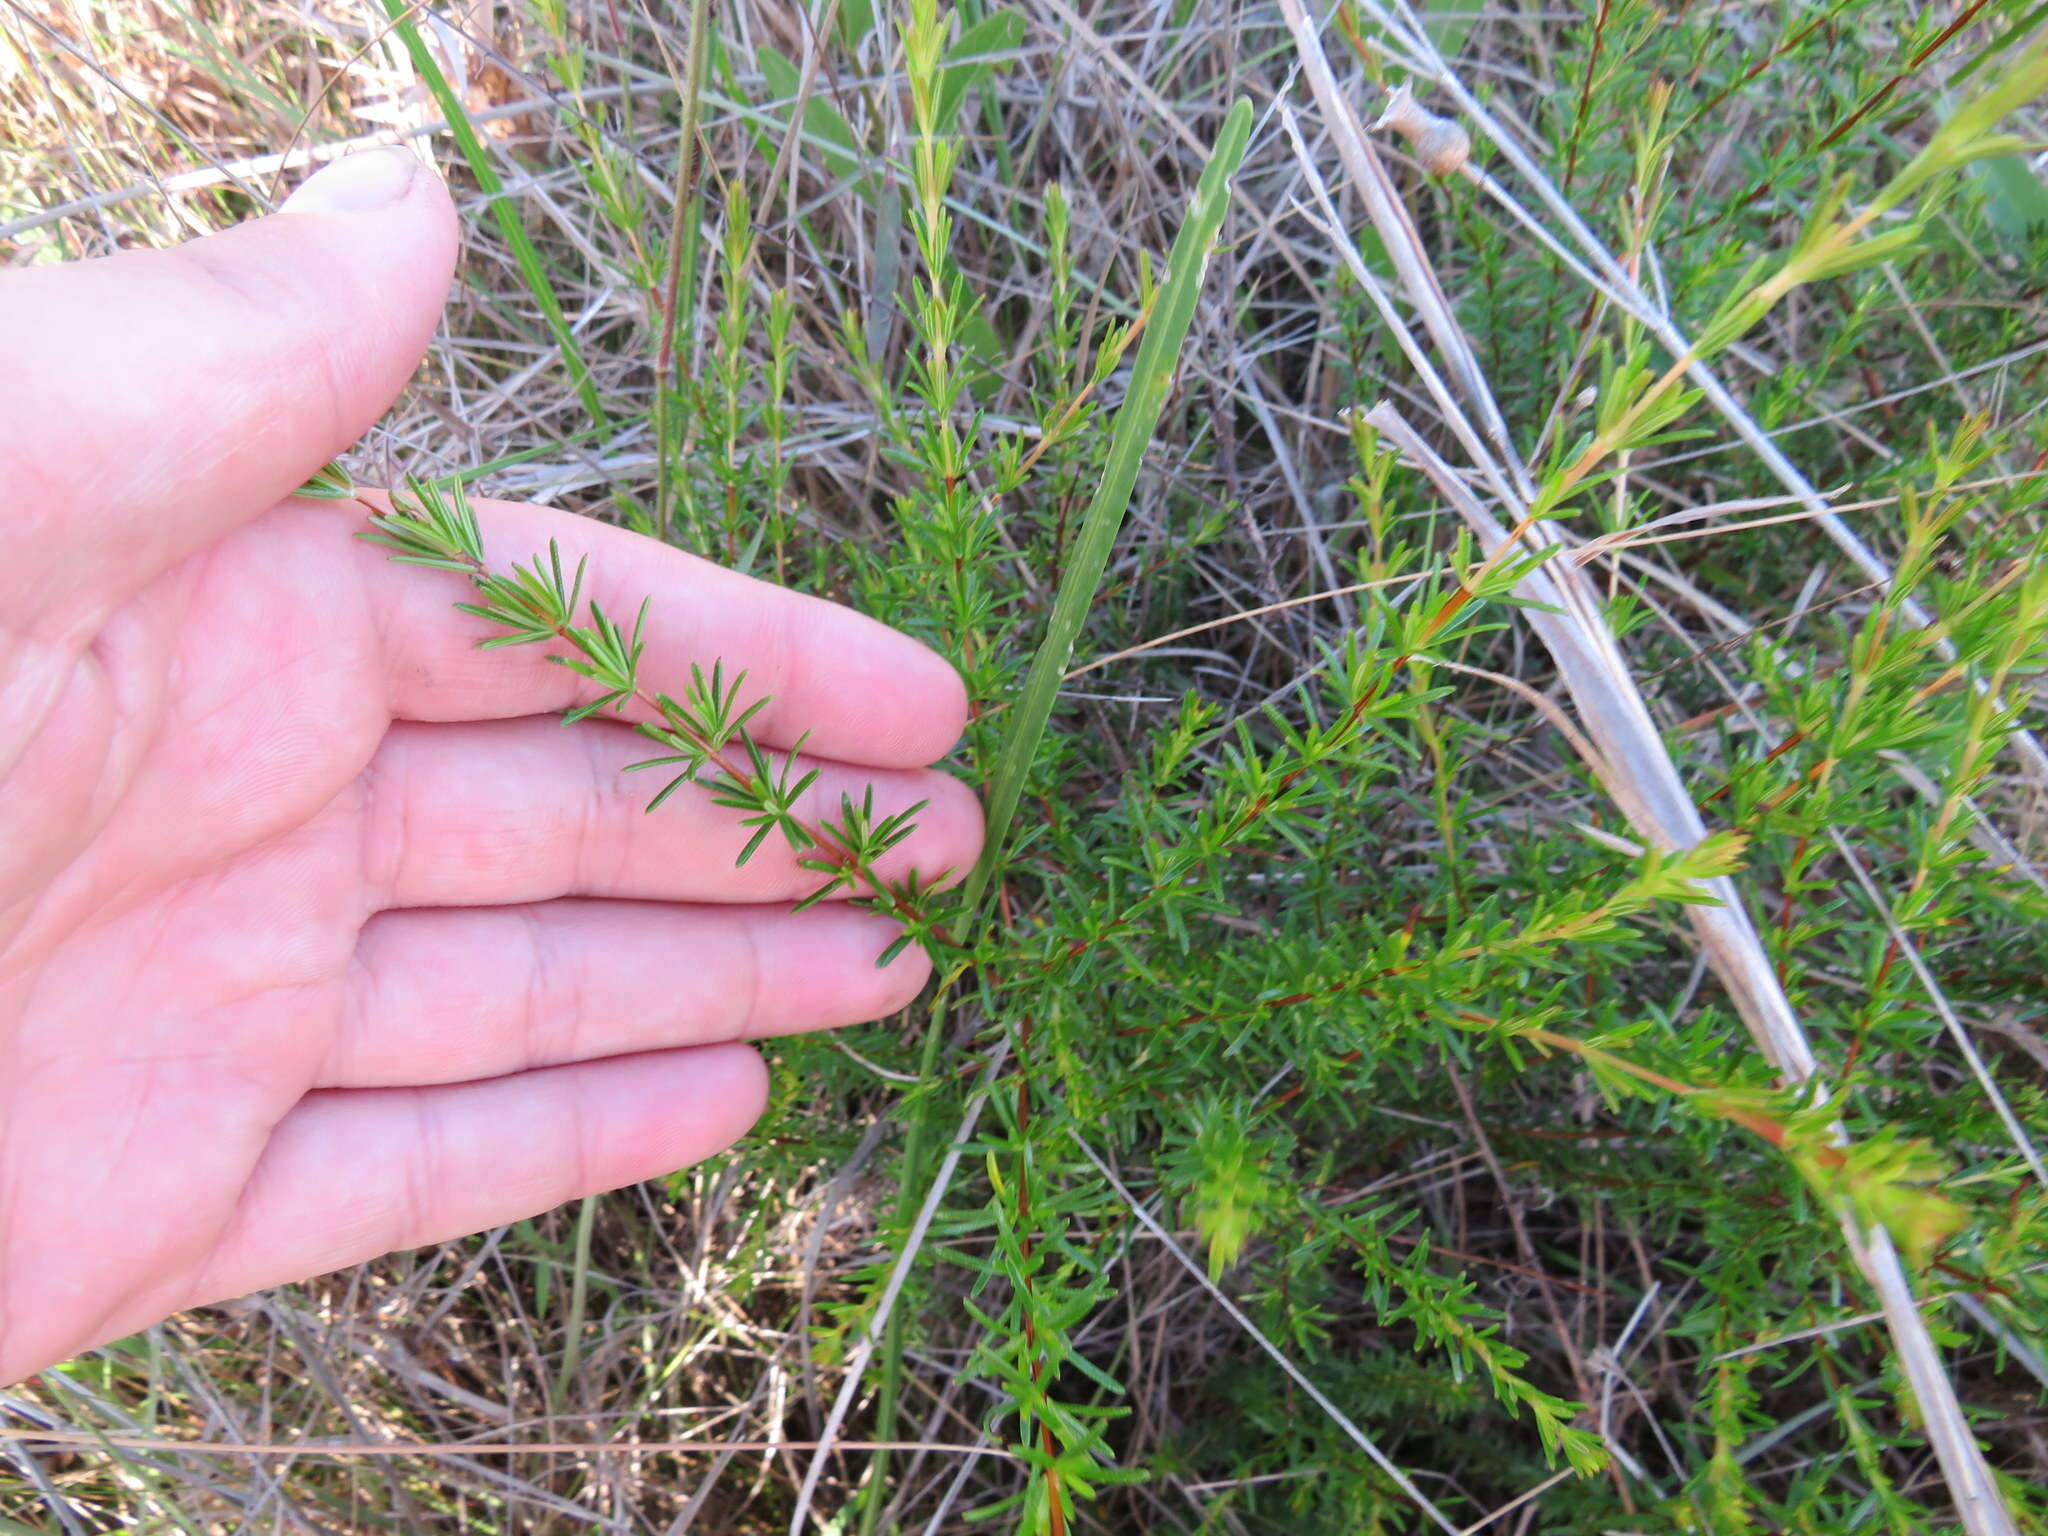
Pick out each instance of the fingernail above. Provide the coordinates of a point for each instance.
(358, 183)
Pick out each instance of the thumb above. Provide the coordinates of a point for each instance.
(154, 400)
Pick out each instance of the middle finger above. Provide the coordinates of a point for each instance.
(496, 812)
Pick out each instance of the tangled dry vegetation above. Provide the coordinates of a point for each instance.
(1356, 1115)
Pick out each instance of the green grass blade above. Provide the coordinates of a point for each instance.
(579, 1300)
(531, 268)
(1136, 422)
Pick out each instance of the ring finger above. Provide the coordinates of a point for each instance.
(445, 996)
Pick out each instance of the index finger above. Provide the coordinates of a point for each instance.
(864, 692)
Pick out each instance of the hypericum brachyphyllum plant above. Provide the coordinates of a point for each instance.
(1226, 1167)
(701, 727)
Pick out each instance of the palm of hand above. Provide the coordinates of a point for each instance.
(317, 938)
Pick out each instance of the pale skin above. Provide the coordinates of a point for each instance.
(319, 937)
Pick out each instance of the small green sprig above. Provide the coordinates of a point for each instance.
(704, 733)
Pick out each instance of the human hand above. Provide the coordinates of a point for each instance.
(318, 937)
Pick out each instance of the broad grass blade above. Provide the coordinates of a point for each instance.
(1136, 421)
(524, 254)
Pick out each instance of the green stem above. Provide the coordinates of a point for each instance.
(685, 230)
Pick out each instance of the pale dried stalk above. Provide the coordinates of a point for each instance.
(1639, 771)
